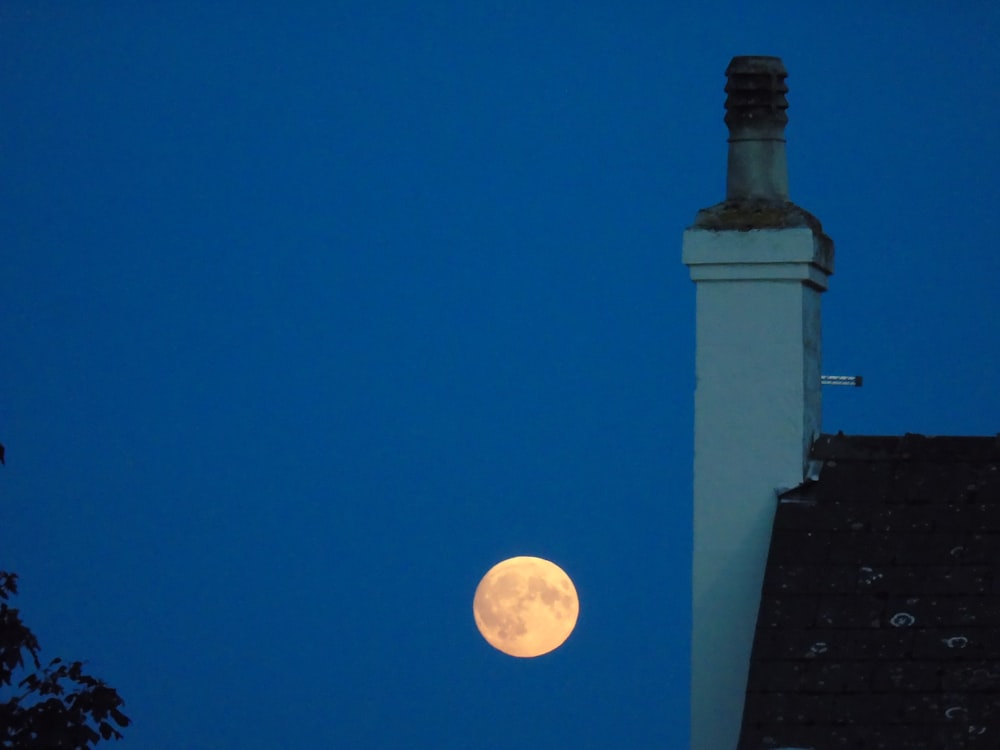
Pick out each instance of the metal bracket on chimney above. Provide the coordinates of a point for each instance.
(854, 380)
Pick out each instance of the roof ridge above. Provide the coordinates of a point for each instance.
(910, 446)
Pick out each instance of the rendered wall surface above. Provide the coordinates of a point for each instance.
(757, 408)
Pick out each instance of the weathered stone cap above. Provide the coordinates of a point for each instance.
(744, 215)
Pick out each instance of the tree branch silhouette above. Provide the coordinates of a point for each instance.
(58, 706)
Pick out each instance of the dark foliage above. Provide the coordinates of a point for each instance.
(58, 706)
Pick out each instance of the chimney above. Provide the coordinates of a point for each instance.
(759, 263)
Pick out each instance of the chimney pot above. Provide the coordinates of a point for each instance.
(755, 114)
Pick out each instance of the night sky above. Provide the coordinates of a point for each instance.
(312, 312)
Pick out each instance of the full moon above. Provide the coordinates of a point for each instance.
(526, 606)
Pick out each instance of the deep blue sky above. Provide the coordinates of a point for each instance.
(311, 316)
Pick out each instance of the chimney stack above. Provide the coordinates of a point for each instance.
(760, 264)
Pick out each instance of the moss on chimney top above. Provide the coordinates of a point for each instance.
(746, 215)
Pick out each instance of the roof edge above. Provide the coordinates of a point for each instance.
(908, 447)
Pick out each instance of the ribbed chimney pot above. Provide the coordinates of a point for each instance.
(755, 114)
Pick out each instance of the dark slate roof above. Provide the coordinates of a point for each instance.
(879, 623)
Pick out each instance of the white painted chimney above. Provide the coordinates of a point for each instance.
(759, 263)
